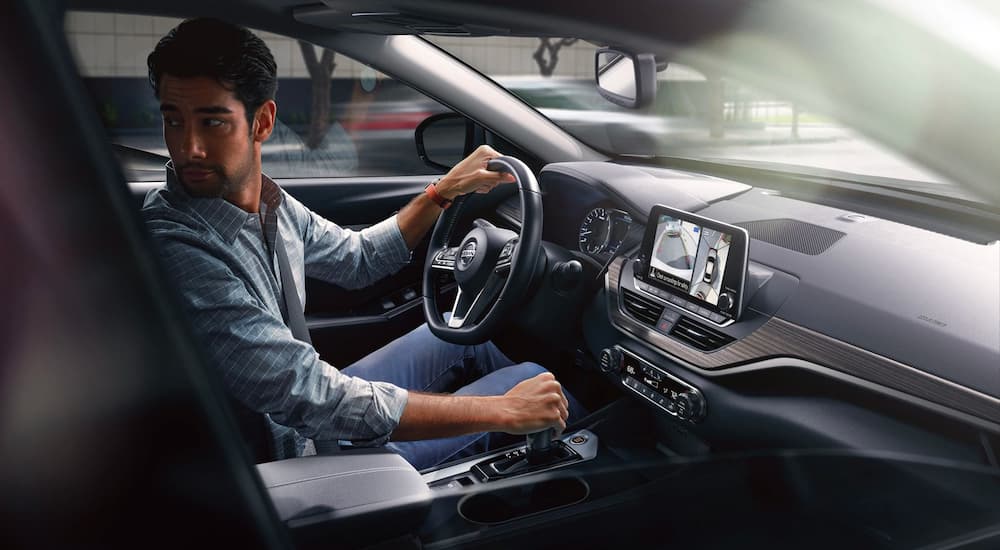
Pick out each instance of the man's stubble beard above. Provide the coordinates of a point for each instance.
(227, 184)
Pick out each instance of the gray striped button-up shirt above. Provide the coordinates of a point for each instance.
(228, 280)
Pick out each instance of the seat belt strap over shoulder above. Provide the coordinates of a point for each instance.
(294, 316)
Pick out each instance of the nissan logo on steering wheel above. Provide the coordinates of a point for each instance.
(468, 253)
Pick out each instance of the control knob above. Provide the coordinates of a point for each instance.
(611, 360)
(726, 301)
(690, 406)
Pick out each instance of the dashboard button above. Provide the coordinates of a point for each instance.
(670, 315)
(717, 317)
(693, 308)
(704, 312)
(676, 300)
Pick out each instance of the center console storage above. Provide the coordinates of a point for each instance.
(520, 501)
(356, 497)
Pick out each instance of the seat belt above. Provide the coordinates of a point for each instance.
(293, 315)
(255, 426)
(296, 320)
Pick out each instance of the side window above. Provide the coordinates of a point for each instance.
(365, 128)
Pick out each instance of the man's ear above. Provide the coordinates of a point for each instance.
(263, 121)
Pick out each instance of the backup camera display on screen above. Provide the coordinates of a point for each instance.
(689, 257)
(697, 258)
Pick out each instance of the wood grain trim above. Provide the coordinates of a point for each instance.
(778, 338)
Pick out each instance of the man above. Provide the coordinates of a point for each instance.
(223, 228)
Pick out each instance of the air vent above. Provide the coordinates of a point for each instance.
(792, 234)
(643, 309)
(698, 335)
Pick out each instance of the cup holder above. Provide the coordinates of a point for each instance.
(508, 503)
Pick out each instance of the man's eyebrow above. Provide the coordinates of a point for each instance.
(212, 110)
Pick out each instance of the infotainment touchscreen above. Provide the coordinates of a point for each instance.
(701, 259)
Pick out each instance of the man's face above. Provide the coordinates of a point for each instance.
(207, 135)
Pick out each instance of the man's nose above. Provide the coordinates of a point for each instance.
(193, 145)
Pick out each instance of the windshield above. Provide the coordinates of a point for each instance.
(713, 117)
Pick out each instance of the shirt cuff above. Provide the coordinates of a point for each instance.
(388, 402)
(390, 240)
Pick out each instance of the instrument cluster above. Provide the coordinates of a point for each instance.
(603, 230)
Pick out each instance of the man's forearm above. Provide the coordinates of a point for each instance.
(416, 218)
(531, 406)
(428, 416)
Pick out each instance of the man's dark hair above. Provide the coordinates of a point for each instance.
(231, 54)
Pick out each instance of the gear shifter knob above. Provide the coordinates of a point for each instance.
(539, 445)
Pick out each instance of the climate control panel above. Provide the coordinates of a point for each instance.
(661, 388)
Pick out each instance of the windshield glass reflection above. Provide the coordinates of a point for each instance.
(697, 113)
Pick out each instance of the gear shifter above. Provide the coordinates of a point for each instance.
(539, 452)
(539, 446)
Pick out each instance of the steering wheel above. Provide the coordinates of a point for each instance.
(492, 266)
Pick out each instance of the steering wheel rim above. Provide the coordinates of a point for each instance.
(493, 267)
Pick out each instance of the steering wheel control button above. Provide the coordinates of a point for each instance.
(446, 258)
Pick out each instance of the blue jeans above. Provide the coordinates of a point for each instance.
(420, 361)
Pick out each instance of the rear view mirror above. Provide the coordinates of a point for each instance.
(626, 79)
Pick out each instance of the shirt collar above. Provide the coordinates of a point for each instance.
(225, 217)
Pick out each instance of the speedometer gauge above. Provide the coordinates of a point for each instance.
(603, 230)
(595, 231)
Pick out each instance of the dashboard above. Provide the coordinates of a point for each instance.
(895, 311)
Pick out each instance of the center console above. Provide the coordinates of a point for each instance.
(361, 496)
(578, 446)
